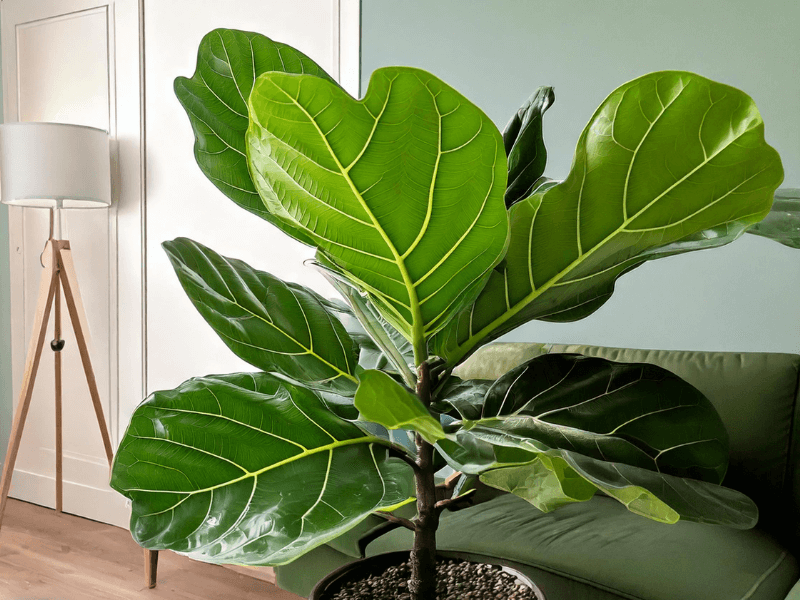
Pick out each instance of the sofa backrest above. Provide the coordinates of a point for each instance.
(756, 395)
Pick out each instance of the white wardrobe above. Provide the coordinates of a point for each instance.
(111, 64)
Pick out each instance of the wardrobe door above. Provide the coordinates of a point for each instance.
(77, 61)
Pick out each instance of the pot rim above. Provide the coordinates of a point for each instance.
(382, 561)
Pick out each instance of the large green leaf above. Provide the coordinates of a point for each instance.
(663, 497)
(524, 143)
(558, 477)
(635, 431)
(638, 414)
(403, 190)
(276, 326)
(215, 99)
(670, 162)
(382, 400)
(782, 224)
(249, 469)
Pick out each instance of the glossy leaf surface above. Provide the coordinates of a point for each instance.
(215, 99)
(635, 431)
(249, 469)
(524, 144)
(382, 400)
(658, 496)
(665, 497)
(469, 453)
(637, 414)
(462, 399)
(273, 325)
(670, 162)
(403, 190)
(782, 224)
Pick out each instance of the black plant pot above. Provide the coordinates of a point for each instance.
(363, 568)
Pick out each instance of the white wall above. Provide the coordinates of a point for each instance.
(741, 297)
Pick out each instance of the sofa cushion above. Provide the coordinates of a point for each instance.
(754, 393)
(301, 575)
(599, 545)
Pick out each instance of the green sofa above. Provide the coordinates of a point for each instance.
(597, 550)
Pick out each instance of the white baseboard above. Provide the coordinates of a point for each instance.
(103, 505)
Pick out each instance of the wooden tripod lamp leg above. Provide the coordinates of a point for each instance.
(57, 362)
(46, 292)
(77, 314)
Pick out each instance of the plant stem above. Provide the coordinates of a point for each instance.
(399, 520)
(422, 584)
(402, 455)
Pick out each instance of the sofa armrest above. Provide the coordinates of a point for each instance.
(794, 593)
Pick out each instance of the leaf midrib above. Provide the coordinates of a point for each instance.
(418, 338)
(649, 450)
(309, 452)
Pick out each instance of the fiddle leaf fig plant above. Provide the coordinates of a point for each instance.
(441, 234)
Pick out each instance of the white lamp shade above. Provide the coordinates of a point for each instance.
(45, 165)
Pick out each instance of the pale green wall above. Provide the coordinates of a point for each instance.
(742, 297)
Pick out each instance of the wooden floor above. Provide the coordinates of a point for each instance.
(45, 555)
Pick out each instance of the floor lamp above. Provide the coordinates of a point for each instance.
(54, 166)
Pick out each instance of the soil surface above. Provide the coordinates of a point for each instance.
(458, 580)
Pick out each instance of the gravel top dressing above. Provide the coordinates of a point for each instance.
(457, 580)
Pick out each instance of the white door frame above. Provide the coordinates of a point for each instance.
(349, 42)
